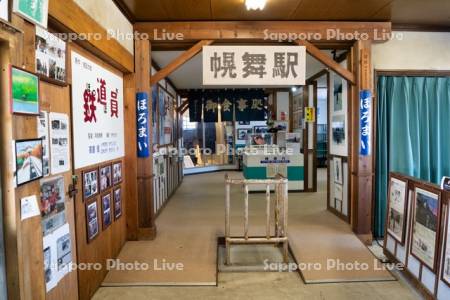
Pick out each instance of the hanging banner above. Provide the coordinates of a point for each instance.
(254, 65)
(210, 107)
(143, 142)
(365, 97)
(226, 106)
(97, 113)
(195, 106)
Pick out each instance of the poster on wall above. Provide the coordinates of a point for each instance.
(97, 113)
(28, 156)
(57, 251)
(24, 92)
(50, 55)
(4, 10)
(425, 226)
(59, 143)
(43, 133)
(397, 205)
(35, 11)
(52, 204)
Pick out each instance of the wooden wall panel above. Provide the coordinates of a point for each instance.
(109, 242)
(25, 264)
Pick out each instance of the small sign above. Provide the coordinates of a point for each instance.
(310, 114)
(365, 97)
(445, 183)
(143, 141)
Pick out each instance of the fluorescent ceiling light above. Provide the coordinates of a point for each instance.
(255, 4)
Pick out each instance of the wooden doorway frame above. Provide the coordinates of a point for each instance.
(358, 75)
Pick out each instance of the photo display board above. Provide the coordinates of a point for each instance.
(97, 112)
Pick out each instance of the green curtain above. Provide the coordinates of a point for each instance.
(413, 133)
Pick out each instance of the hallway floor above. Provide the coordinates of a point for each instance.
(199, 202)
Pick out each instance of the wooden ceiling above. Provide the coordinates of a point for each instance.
(402, 13)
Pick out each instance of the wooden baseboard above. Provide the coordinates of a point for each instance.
(147, 234)
(367, 239)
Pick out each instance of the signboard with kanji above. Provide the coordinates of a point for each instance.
(254, 65)
(97, 113)
(365, 107)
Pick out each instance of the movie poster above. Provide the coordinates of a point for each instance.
(97, 113)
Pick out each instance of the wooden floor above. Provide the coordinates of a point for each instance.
(190, 225)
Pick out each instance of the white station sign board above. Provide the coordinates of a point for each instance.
(254, 65)
(97, 112)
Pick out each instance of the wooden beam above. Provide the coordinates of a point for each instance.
(69, 17)
(362, 167)
(263, 30)
(179, 61)
(183, 105)
(328, 61)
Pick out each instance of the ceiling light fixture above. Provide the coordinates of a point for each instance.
(255, 4)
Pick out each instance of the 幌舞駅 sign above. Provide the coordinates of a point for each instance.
(254, 65)
(97, 113)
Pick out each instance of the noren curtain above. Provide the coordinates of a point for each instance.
(413, 133)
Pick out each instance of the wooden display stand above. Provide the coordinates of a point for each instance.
(281, 215)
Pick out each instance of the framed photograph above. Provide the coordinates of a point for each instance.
(52, 204)
(105, 178)
(64, 251)
(338, 130)
(426, 218)
(446, 259)
(242, 134)
(90, 183)
(397, 208)
(29, 165)
(260, 129)
(117, 197)
(106, 210)
(337, 163)
(117, 172)
(92, 226)
(50, 56)
(24, 92)
(35, 11)
(4, 10)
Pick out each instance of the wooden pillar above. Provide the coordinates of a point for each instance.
(145, 210)
(362, 167)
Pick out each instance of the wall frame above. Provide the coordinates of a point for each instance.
(29, 160)
(106, 209)
(399, 197)
(90, 183)
(423, 228)
(92, 220)
(445, 272)
(23, 83)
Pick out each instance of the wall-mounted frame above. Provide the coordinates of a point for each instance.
(106, 210)
(29, 160)
(51, 57)
(426, 210)
(4, 10)
(24, 91)
(92, 223)
(445, 273)
(117, 175)
(117, 202)
(397, 208)
(105, 177)
(90, 183)
(35, 11)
